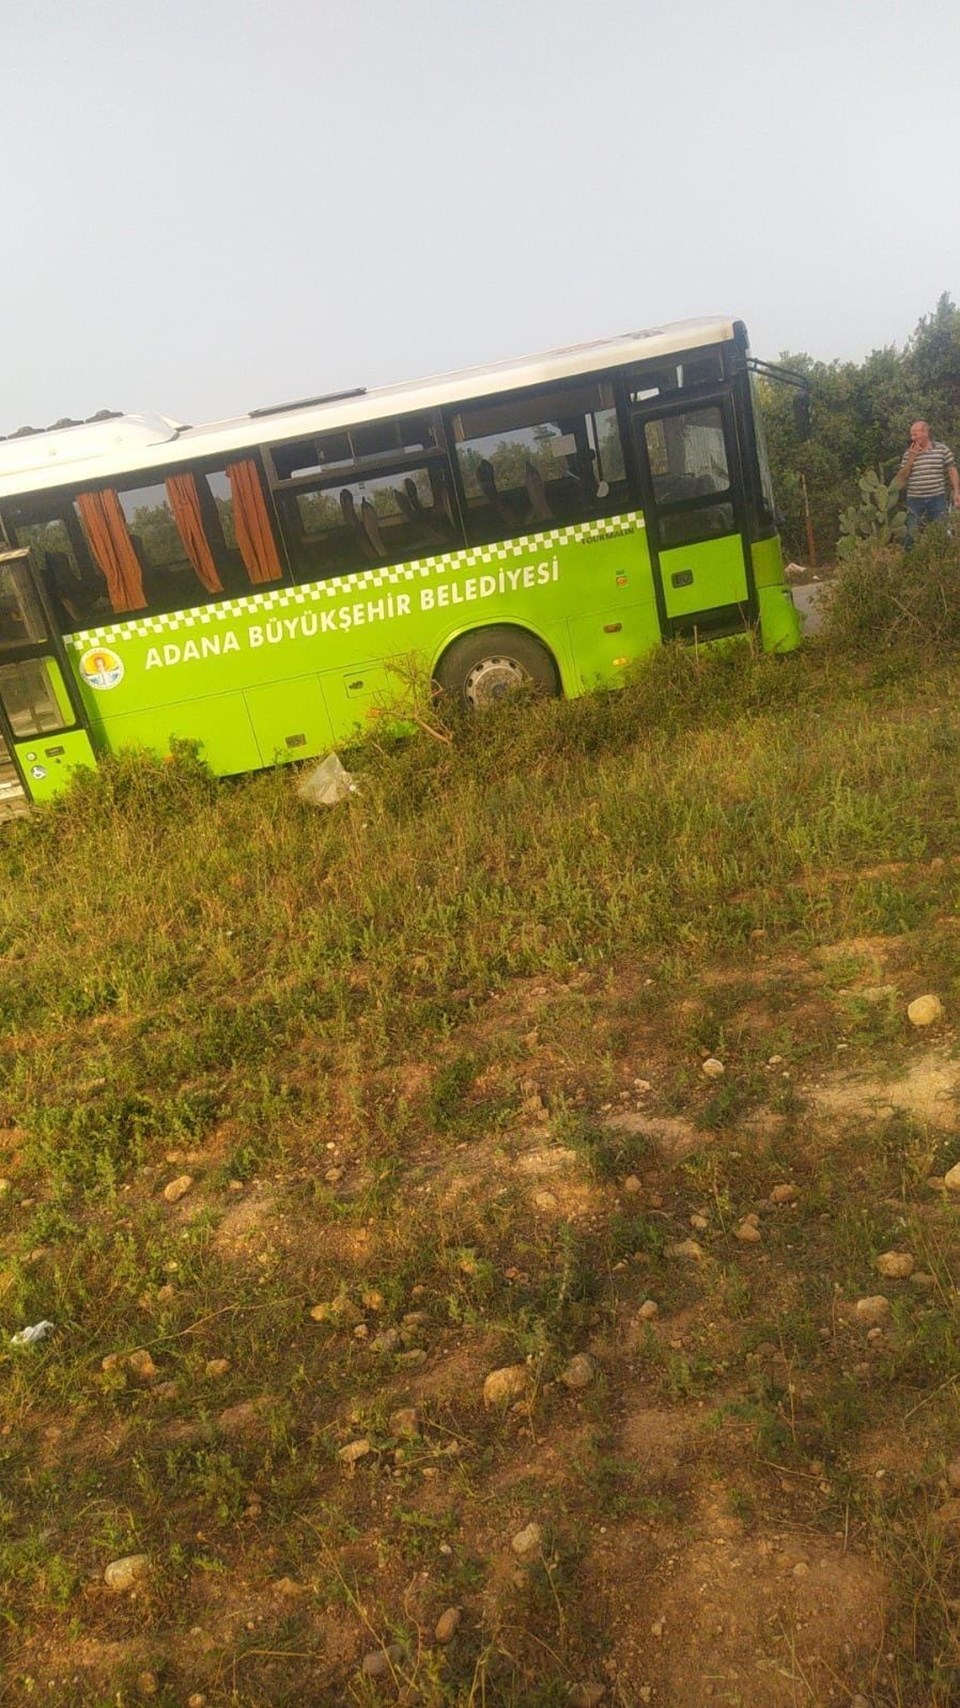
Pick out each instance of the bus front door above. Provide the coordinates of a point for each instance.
(41, 718)
(694, 507)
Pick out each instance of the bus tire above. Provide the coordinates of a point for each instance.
(481, 668)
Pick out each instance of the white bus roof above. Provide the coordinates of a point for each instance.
(127, 444)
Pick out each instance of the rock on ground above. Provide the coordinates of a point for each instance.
(507, 1383)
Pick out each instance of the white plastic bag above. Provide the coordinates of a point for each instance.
(327, 784)
(27, 1336)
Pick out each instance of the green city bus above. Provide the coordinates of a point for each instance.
(253, 585)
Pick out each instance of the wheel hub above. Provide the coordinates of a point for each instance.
(491, 679)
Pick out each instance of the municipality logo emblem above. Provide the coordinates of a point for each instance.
(101, 668)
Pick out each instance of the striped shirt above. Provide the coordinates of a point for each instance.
(928, 477)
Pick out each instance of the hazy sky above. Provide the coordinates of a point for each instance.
(212, 206)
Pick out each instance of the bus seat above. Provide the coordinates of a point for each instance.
(405, 504)
(370, 522)
(487, 482)
(536, 493)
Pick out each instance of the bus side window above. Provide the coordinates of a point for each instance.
(354, 524)
(75, 584)
(539, 459)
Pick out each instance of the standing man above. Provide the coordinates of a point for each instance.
(926, 469)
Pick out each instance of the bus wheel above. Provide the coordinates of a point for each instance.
(480, 669)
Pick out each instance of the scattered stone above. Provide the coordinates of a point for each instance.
(920, 1278)
(216, 1367)
(372, 1299)
(112, 1361)
(712, 1068)
(953, 1473)
(288, 1586)
(749, 1233)
(165, 1294)
(123, 1574)
(579, 1373)
(642, 1085)
(548, 1161)
(446, 1625)
(386, 1341)
(247, 1416)
(415, 1319)
(380, 1662)
(505, 1384)
(166, 1390)
(925, 1011)
(633, 1184)
(874, 1334)
(197, 1700)
(688, 1248)
(354, 1450)
(545, 1200)
(895, 1265)
(951, 1179)
(147, 1683)
(701, 1223)
(586, 1695)
(177, 1189)
(873, 1310)
(859, 1701)
(801, 1569)
(784, 1194)
(142, 1364)
(4, 1187)
(657, 1628)
(648, 1310)
(332, 1175)
(413, 1359)
(527, 1541)
(344, 1312)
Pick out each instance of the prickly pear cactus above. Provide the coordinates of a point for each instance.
(878, 517)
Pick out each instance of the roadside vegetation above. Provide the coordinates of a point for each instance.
(313, 1119)
(860, 417)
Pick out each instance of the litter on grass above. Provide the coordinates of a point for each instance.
(27, 1336)
(327, 784)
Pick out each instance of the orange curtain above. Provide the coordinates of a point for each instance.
(111, 545)
(252, 524)
(185, 504)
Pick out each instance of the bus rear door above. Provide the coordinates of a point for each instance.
(694, 507)
(41, 718)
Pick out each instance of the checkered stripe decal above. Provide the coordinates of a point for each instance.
(342, 587)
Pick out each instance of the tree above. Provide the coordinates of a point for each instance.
(860, 419)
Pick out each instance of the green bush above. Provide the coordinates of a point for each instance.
(884, 596)
(879, 517)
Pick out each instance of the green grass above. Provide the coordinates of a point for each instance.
(367, 1035)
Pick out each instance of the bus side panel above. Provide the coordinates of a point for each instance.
(289, 719)
(220, 723)
(47, 760)
(779, 618)
(242, 677)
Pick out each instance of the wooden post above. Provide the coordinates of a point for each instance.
(811, 542)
